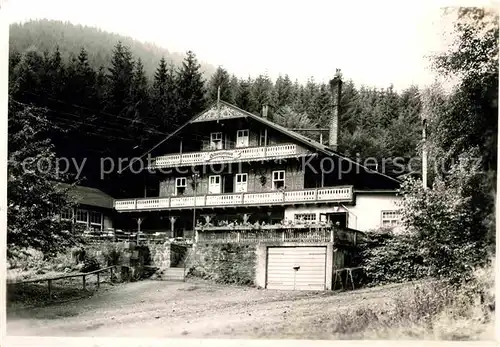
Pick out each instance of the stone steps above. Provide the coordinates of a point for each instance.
(173, 274)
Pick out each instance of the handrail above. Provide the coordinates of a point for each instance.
(65, 276)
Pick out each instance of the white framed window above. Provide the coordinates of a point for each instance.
(305, 217)
(180, 185)
(278, 179)
(242, 137)
(214, 184)
(241, 183)
(391, 218)
(95, 220)
(263, 138)
(82, 216)
(67, 214)
(216, 140)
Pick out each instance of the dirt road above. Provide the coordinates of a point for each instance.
(192, 309)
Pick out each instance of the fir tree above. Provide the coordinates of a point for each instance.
(191, 88)
(120, 81)
(220, 79)
(260, 93)
(243, 97)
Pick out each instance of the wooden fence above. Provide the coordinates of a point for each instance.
(83, 275)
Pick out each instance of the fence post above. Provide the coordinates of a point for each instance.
(98, 280)
(111, 274)
(238, 237)
(50, 288)
(83, 282)
(283, 235)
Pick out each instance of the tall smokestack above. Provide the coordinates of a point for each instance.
(264, 111)
(336, 88)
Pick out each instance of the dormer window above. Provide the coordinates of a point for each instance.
(242, 138)
(216, 141)
(180, 185)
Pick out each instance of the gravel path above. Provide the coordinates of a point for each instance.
(192, 309)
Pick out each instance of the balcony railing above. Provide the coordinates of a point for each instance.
(334, 194)
(227, 155)
(279, 233)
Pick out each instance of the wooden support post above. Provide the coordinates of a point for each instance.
(111, 274)
(332, 234)
(98, 280)
(84, 286)
(49, 284)
(283, 236)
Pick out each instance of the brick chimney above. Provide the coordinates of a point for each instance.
(336, 88)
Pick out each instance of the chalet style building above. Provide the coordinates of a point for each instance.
(228, 175)
(227, 167)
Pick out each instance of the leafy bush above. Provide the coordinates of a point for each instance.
(389, 258)
(90, 263)
(446, 229)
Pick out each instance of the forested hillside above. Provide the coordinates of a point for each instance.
(46, 35)
(104, 105)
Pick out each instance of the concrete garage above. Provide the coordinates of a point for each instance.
(296, 268)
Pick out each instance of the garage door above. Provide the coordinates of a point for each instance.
(296, 268)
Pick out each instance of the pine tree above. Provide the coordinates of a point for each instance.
(233, 86)
(283, 93)
(220, 79)
(140, 103)
(120, 81)
(243, 97)
(164, 97)
(191, 88)
(260, 93)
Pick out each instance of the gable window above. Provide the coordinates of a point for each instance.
(305, 217)
(263, 138)
(180, 185)
(278, 179)
(242, 138)
(82, 216)
(95, 221)
(391, 218)
(216, 140)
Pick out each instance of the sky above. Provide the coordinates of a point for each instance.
(374, 43)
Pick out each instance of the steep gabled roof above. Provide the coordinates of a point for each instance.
(232, 112)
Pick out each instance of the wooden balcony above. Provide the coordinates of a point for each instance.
(228, 155)
(305, 196)
(313, 233)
